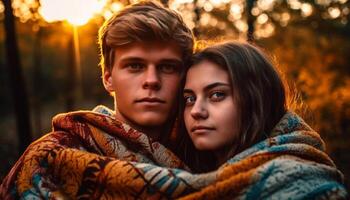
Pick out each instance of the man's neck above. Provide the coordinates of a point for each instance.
(155, 133)
(152, 132)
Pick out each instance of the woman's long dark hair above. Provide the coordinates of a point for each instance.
(258, 90)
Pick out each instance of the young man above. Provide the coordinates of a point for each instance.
(143, 55)
(144, 49)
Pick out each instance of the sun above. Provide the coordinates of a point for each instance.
(76, 12)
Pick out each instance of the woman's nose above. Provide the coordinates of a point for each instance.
(199, 110)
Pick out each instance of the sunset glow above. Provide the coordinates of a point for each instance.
(2, 8)
(76, 12)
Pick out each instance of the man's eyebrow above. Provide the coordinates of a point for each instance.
(138, 59)
(128, 59)
(171, 60)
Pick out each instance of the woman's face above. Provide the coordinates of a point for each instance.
(210, 109)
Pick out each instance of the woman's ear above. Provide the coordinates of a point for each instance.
(107, 80)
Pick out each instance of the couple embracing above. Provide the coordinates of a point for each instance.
(213, 124)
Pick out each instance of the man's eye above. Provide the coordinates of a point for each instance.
(189, 100)
(168, 68)
(134, 66)
(217, 96)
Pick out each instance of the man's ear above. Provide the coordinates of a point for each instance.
(107, 80)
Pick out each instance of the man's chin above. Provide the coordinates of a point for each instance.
(151, 122)
(144, 118)
(151, 119)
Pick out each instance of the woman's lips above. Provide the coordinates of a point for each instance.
(201, 129)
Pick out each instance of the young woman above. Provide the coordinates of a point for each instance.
(233, 98)
(239, 127)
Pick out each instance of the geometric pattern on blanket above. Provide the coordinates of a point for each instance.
(90, 155)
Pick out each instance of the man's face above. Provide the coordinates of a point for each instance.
(145, 79)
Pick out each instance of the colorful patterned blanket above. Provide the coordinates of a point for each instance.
(90, 155)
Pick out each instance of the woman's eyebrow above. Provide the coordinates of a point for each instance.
(208, 87)
(216, 84)
(188, 91)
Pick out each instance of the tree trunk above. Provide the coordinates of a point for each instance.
(37, 81)
(197, 12)
(70, 87)
(19, 93)
(250, 21)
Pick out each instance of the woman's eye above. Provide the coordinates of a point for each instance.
(168, 68)
(217, 96)
(189, 100)
(134, 67)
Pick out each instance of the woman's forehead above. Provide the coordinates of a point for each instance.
(205, 73)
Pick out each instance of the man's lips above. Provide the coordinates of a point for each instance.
(150, 100)
(201, 128)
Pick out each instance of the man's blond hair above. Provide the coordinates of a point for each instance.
(143, 22)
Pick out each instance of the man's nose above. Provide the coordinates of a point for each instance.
(152, 79)
(199, 110)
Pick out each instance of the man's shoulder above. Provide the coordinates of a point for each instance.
(69, 119)
(101, 109)
(98, 110)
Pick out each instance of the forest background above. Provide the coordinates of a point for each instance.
(49, 60)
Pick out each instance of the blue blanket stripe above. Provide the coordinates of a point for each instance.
(257, 189)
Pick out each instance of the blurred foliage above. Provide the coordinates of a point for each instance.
(311, 49)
